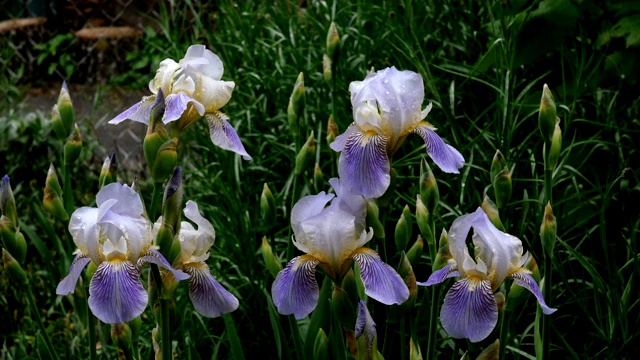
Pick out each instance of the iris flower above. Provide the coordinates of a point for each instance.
(209, 298)
(386, 108)
(192, 88)
(116, 236)
(470, 310)
(332, 238)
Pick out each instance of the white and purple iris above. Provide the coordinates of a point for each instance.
(470, 309)
(209, 298)
(192, 89)
(332, 238)
(117, 237)
(386, 108)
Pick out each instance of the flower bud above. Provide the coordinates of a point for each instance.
(305, 157)
(109, 171)
(498, 164)
(321, 346)
(406, 273)
(428, 187)
(443, 256)
(65, 109)
(270, 259)
(121, 336)
(296, 105)
(56, 124)
(13, 270)
(159, 150)
(403, 232)
(20, 248)
(326, 71)
(502, 187)
(414, 350)
(52, 199)
(415, 251)
(333, 42)
(548, 230)
(332, 130)
(556, 146)
(172, 201)
(491, 352)
(267, 205)
(500, 300)
(318, 178)
(343, 307)
(7, 201)
(373, 221)
(8, 234)
(547, 115)
(135, 326)
(492, 212)
(365, 332)
(422, 218)
(72, 147)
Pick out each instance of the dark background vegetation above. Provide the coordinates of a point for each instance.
(484, 65)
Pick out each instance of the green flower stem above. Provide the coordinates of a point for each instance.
(295, 336)
(166, 329)
(433, 313)
(92, 332)
(403, 340)
(546, 290)
(67, 192)
(43, 331)
(504, 332)
(156, 200)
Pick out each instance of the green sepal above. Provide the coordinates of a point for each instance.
(52, 199)
(109, 171)
(444, 254)
(326, 71)
(172, 202)
(372, 219)
(345, 310)
(270, 260)
(422, 218)
(491, 352)
(548, 230)
(65, 109)
(332, 130)
(333, 43)
(415, 251)
(502, 187)
(305, 157)
(267, 205)
(414, 350)
(497, 164)
(547, 115)
(318, 178)
(405, 270)
(403, 230)
(72, 147)
(7, 201)
(556, 147)
(321, 346)
(57, 125)
(13, 270)
(428, 187)
(492, 212)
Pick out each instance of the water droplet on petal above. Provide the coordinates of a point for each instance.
(386, 81)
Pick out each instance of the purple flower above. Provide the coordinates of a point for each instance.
(116, 236)
(332, 238)
(470, 310)
(192, 89)
(386, 108)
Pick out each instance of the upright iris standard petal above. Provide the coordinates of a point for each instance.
(139, 112)
(176, 104)
(83, 227)
(116, 294)
(381, 281)
(525, 280)
(445, 156)
(295, 290)
(364, 166)
(209, 298)
(469, 310)
(68, 284)
(223, 134)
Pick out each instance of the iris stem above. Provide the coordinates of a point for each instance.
(546, 321)
(67, 192)
(504, 332)
(91, 320)
(295, 335)
(166, 329)
(43, 331)
(156, 200)
(433, 315)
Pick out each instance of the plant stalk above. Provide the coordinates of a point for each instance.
(43, 331)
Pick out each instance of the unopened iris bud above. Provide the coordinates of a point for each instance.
(56, 124)
(373, 221)
(405, 270)
(492, 212)
(318, 178)
(267, 205)
(65, 109)
(491, 352)
(159, 151)
(443, 256)
(109, 171)
(332, 130)
(556, 146)
(21, 248)
(502, 187)
(121, 336)
(270, 260)
(333, 42)
(500, 300)
(518, 294)
(172, 201)
(321, 346)
(366, 334)
(7, 201)
(305, 157)
(422, 218)
(296, 105)
(52, 199)
(135, 326)
(326, 71)
(13, 270)
(345, 310)
(73, 146)
(548, 230)
(547, 115)
(415, 251)
(428, 187)
(497, 164)
(414, 351)
(403, 230)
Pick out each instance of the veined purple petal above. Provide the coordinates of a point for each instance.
(139, 112)
(528, 282)
(469, 310)
(364, 166)
(223, 134)
(295, 290)
(68, 284)
(116, 294)
(154, 257)
(338, 143)
(381, 281)
(365, 325)
(444, 155)
(438, 276)
(176, 104)
(209, 298)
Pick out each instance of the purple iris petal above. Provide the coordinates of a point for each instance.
(68, 284)
(364, 165)
(209, 298)
(338, 143)
(223, 134)
(469, 310)
(154, 257)
(444, 155)
(176, 104)
(295, 290)
(381, 281)
(116, 294)
(527, 281)
(438, 276)
(139, 112)
(365, 326)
